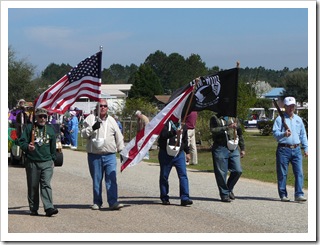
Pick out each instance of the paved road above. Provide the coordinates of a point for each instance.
(254, 214)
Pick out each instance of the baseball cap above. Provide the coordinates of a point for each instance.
(73, 113)
(41, 111)
(289, 101)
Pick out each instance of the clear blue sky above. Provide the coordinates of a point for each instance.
(270, 37)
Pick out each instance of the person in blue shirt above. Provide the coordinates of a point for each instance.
(118, 122)
(73, 127)
(289, 150)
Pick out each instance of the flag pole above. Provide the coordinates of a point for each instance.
(33, 122)
(234, 130)
(98, 107)
(187, 111)
(191, 96)
(100, 48)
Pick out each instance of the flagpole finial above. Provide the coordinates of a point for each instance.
(101, 48)
(238, 64)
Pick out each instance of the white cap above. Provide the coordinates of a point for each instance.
(138, 113)
(289, 101)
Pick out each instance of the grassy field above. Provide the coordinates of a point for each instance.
(258, 163)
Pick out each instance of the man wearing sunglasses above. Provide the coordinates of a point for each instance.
(40, 156)
(104, 140)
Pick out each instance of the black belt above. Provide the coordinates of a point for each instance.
(289, 146)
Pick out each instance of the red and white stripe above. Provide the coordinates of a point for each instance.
(61, 95)
(137, 148)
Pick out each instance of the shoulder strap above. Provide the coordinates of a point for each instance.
(222, 122)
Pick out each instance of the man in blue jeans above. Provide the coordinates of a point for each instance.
(289, 150)
(174, 149)
(227, 149)
(104, 139)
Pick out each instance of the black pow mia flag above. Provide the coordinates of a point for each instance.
(217, 92)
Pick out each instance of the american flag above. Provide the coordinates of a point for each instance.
(84, 80)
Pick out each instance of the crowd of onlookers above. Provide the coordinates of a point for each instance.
(69, 123)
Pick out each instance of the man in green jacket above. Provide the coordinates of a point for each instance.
(40, 155)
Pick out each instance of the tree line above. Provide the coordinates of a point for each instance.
(159, 74)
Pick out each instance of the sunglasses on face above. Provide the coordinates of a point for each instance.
(42, 116)
(105, 106)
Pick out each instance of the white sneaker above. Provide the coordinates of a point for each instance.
(73, 147)
(285, 199)
(116, 206)
(95, 207)
(300, 199)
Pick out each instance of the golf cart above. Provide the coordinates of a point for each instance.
(17, 156)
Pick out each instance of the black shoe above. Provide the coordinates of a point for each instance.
(51, 211)
(34, 213)
(186, 202)
(225, 199)
(231, 195)
(164, 202)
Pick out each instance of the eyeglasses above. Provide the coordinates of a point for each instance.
(106, 106)
(42, 116)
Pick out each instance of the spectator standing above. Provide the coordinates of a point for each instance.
(191, 121)
(142, 121)
(65, 132)
(73, 130)
(22, 118)
(227, 149)
(39, 163)
(119, 123)
(289, 150)
(104, 139)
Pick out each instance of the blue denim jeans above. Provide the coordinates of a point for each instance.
(285, 155)
(225, 160)
(74, 138)
(106, 165)
(166, 164)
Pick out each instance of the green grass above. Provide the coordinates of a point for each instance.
(259, 162)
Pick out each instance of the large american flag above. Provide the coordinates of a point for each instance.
(84, 80)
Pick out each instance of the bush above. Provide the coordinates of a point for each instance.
(265, 127)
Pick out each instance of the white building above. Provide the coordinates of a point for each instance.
(115, 94)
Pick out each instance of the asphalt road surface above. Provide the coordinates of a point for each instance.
(256, 215)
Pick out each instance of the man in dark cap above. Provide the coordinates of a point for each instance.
(38, 141)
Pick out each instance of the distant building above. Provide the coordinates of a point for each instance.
(115, 94)
(275, 93)
(162, 100)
